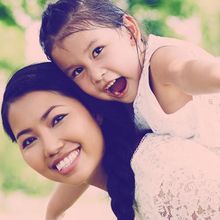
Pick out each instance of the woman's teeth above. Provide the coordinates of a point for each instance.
(68, 160)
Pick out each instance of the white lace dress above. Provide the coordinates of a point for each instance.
(176, 179)
(198, 119)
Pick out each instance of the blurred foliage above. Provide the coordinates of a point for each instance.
(16, 15)
(6, 14)
(12, 47)
(153, 14)
(10, 10)
(209, 14)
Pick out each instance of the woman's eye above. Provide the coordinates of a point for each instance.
(28, 141)
(76, 72)
(57, 119)
(97, 51)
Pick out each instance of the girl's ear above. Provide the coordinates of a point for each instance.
(133, 29)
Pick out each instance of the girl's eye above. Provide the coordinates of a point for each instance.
(57, 119)
(76, 72)
(97, 51)
(28, 141)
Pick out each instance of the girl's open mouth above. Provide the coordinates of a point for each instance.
(117, 87)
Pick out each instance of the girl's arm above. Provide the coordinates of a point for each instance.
(193, 75)
(63, 197)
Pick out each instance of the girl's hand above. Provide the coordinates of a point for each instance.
(55, 218)
(68, 195)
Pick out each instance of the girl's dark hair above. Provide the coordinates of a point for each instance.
(65, 17)
(117, 127)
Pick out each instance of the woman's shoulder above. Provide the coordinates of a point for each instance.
(147, 152)
(173, 153)
(178, 173)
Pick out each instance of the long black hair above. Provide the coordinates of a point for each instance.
(117, 126)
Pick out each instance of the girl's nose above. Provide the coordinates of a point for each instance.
(97, 76)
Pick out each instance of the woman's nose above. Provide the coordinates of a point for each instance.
(52, 145)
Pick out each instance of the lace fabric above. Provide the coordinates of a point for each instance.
(176, 179)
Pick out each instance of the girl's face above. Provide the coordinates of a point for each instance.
(57, 137)
(104, 62)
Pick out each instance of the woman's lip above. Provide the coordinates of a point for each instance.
(56, 161)
(71, 167)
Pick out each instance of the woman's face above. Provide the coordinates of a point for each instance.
(57, 136)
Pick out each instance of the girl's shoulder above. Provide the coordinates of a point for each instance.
(155, 42)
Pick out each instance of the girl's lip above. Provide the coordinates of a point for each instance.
(120, 94)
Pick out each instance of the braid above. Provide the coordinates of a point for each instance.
(121, 140)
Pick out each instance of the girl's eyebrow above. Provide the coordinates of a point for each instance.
(42, 118)
(90, 45)
(67, 69)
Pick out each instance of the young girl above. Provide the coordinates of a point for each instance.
(101, 48)
(66, 138)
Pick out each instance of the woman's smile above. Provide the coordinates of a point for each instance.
(65, 165)
(58, 137)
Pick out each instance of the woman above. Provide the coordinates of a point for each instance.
(62, 140)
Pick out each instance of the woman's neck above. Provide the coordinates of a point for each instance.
(99, 179)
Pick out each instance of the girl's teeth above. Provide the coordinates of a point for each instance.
(110, 84)
(67, 160)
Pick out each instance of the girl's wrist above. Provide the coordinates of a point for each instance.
(53, 217)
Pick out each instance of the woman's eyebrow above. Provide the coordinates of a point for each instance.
(25, 131)
(45, 115)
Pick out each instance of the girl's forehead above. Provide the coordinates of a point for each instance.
(87, 36)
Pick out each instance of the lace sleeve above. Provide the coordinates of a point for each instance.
(176, 179)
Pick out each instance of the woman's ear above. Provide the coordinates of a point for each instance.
(98, 119)
(133, 29)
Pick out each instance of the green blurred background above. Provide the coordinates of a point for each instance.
(196, 21)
